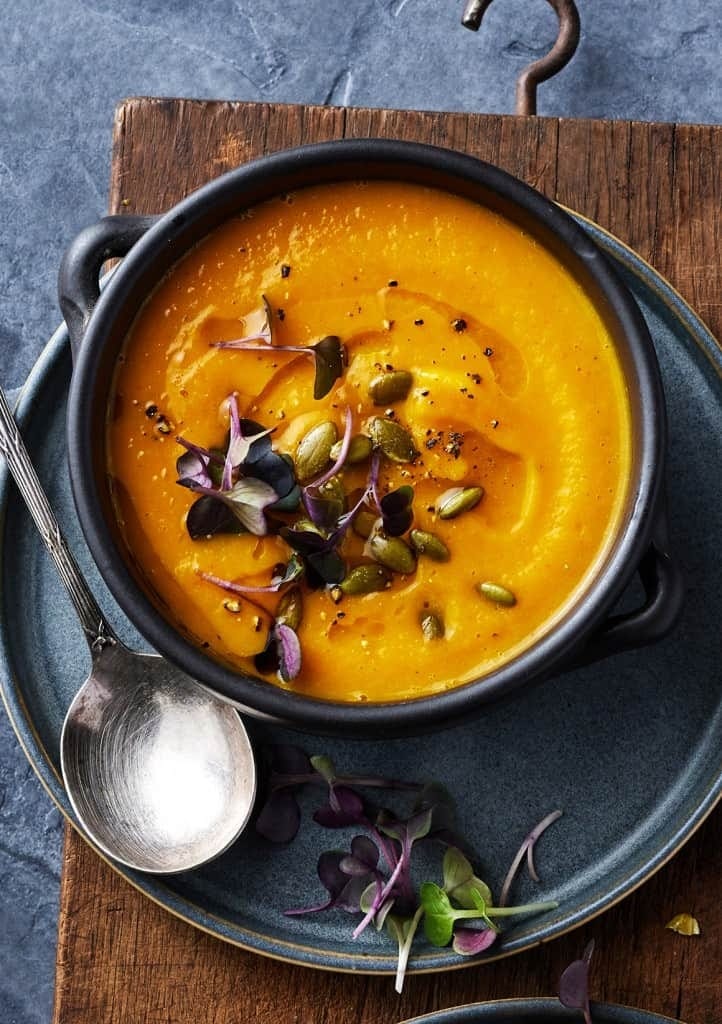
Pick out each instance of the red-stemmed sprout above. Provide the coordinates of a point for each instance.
(527, 849)
(327, 354)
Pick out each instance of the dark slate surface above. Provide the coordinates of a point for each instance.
(64, 64)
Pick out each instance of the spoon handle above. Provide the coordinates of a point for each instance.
(96, 629)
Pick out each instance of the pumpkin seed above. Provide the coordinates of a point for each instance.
(431, 545)
(232, 606)
(393, 552)
(457, 500)
(432, 626)
(307, 526)
(390, 386)
(314, 450)
(290, 609)
(366, 579)
(359, 449)
(364, 522)
(336, 594)
(497, 594)
(394, 440)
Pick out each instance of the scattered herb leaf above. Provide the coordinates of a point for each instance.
(574, 984)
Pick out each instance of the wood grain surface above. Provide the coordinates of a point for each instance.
(123, 960)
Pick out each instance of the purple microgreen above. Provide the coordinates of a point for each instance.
(396, 510)
(282, 653)
(403, 930)
(574, 984)
(280, 817)
(364, 856)
(327, 354)
(207, 517)
(239, 445)
(289, 651)
(288, 503)
(382, 894)
(277, 471)
(318, 553)
(247, 500)
(249, 497)
(471, 941)
(324, 506)
(526, 849)
(291, 571)
(262, 339)
(345, 807)
(342, 455)
(344, 892)
(192, 467)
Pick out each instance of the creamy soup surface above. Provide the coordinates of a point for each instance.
(515, 388)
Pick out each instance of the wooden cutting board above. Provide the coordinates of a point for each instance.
(123, 960)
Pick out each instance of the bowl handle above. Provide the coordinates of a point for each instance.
(664, 592)
(78, 278)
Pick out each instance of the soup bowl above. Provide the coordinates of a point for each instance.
(99, 322)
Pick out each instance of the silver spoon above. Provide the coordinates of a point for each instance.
(160, 773)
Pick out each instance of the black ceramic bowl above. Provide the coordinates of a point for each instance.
(98, 325)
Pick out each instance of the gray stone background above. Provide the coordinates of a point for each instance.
(64, 64)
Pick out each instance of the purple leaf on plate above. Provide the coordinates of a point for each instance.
(280, 817)
(574, 984)
(349, 809)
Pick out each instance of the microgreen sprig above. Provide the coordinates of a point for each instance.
(327, 354)
(374, 878)
(574, 984)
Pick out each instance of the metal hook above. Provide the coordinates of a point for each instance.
(557, 58)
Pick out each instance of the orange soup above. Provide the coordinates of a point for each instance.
(486, 455)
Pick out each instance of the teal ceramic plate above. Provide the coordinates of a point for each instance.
(628, 748)
(537, 1011)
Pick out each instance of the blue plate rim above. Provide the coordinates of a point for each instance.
(468, 1013)
(291, 952)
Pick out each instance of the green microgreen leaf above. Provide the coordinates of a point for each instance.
(439, 915)
(460, 882)
(325, 767)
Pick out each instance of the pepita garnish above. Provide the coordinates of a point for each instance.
(314, 450)
(359, 449)
(430, 545)
(498, 594)
(290, 609)
(432, 626)
(364, 522)
(393, 552)
(457, 500)
(390, 386)
(366, 579)
(232, 606)
(394, 440)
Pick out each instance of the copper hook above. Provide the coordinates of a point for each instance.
(559, 55)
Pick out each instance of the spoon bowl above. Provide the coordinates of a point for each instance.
(159, 771)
